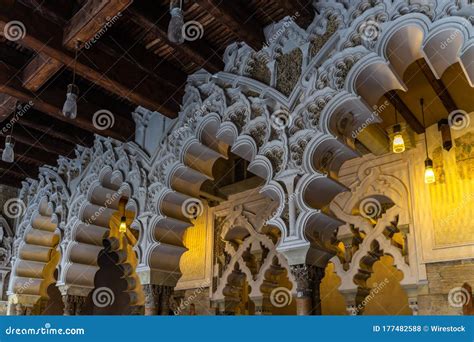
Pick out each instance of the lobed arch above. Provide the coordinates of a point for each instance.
(36, 248)
(232, 111)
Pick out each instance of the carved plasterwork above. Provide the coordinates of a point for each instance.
(310, 76)
(244, 245)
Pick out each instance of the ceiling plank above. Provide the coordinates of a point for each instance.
(200, 52)
(41, 141)
(301, 10)
(92, 18)
(50, 102)
(7, 106)
(33, 155)
(57, 129)
(230, 15)
(438, 86)
(19, 169)
(39, 71)
(403, 109)
(115, 75)
(9, 180)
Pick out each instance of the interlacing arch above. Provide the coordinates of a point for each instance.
(296, 110)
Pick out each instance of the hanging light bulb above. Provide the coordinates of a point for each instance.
(123, 224)
(398, 144)
(70, 105)
(429, 172)
(175, 27)
(8, 155)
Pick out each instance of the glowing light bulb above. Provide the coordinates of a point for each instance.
(70, 105)
(123, 225)
(175, 27)
(429, 172)
(8, 155)
(398, 144)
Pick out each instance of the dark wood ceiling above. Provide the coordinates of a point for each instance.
(132, 63)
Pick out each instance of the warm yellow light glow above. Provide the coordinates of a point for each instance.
(398, 145)
(429, 172)
(123, 225)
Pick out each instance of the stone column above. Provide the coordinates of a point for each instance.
(19, 309)
(73, 304)
(317, 278)
(152, 299)
(166, 292)
(308, 279)
(157, 299)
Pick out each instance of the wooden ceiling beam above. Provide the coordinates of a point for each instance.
(118, 76)
(39, 71)
(57, 129)
(50, 102)
(41, 141)
(403, 109)
(438, 87)
(10, 180)
(92, 18)
(32, 155)
(7, 106)
(231, 15)
(19, 169)
(199, 52)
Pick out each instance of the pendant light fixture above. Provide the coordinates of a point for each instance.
(429, 172)
(8, 155)
(70, 105)
(398, 143)
(175, 27)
